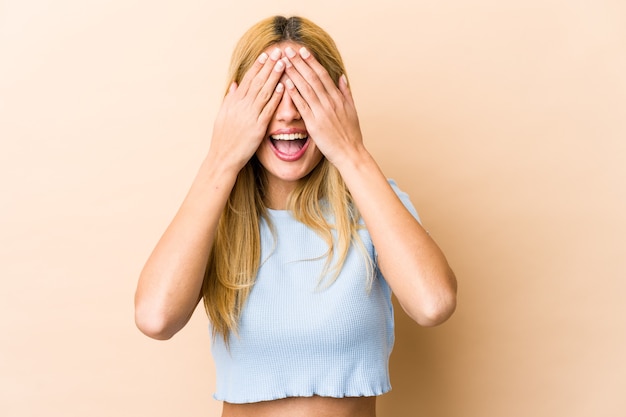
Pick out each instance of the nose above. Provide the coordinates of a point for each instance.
(286, 110)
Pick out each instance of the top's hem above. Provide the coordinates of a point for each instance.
(304, 395)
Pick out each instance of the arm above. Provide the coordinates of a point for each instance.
(410, 260)
(170, 283)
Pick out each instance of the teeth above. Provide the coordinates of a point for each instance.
(289, 136)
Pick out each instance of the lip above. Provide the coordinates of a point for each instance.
(288, 157)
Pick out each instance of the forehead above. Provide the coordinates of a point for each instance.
(282, 45)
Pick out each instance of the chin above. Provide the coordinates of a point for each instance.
(288, 175)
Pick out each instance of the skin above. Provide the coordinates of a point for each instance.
(287, 88)
(282, 175)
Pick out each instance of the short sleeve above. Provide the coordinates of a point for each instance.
(404, 198)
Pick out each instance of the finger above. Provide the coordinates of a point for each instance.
(303, 86)
(268, 89)
(231, 90)
(301, 104)
(312, 71)
(345, 89)
(272, 104)
(256, 76)
(319, 69)
(259, 63)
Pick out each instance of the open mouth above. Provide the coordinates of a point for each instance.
(289, 143)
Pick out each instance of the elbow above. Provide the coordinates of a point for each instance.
(436, 308)
(153, 324)
(436, 312)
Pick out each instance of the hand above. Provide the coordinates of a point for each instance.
(328, 111)
(246, 111)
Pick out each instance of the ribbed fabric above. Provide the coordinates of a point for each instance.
(298, 338)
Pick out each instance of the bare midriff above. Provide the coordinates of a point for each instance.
(305, 407)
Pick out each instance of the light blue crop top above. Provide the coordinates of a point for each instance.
(299, 339)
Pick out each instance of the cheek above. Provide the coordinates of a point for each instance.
(316, 155)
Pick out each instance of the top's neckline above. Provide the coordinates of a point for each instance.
(279, 213)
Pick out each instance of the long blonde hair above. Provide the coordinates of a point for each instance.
(235, 256)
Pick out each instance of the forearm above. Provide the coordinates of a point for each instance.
(170, 283)
(410, 260)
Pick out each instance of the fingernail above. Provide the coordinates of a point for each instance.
(280, 65)
(280, 87)
(263, 58)
(344, 79)
(290, 52)
(304, 53)
(289, 83)
(276, 53)
(287, 62)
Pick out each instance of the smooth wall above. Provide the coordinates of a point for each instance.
(504, 120)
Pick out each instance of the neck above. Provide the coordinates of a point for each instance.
(277, 194)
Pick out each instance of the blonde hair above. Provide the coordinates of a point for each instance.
(234, 259)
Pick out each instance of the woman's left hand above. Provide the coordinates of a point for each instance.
(423, 282)
(328, 110)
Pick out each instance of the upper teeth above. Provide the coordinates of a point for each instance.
(289, 136)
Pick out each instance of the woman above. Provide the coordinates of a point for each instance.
(294, 239)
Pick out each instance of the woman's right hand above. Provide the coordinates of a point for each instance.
(246, 111)
(170, 283)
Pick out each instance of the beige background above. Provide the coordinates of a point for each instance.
(504, 120)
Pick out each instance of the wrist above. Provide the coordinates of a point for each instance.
(225, 161)
(217, 172)
(357, 160)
